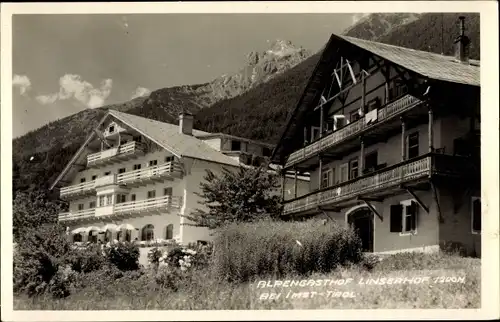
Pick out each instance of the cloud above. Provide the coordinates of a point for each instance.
(72, 86)
(23, 82)
(140, 91)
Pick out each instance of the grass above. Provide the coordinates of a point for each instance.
(200, 291)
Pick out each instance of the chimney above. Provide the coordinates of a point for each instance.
(186, 120)
(462, 43)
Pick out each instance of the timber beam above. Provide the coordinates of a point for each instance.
(436, 199)
(368, 201)
(419, 201)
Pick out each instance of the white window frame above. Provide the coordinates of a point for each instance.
(407, 156)
(326, 173)
(346, 167)
(474, 232)
(406, 203)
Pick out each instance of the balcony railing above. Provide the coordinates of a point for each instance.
(87, 213)
(148, 204)
(127, 148)
(369, 183)
(165, 202)
(166, 169)
(353, 129)
(171, 169)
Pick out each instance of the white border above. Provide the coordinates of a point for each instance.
(489, 157)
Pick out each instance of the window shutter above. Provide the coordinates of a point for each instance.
(396, 218)
(413, 215)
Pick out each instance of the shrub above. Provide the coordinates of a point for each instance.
(154, 256)
(40, 254)
(87, 259)
(244, 251)
(123, 255)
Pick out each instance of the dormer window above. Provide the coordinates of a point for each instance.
(235, 145)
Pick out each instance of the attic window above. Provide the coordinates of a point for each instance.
(235, 145)
(111, 129)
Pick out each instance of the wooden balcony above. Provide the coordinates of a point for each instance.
(78, 190)
(78, 215)
(385, 182)
(370, 121)
(168, 170)
(121, 210)
(124, 152)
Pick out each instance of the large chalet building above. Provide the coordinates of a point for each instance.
(134, 178)
(391, 139)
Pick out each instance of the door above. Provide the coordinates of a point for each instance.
(362, 223)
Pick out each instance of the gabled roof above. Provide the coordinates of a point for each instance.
(431, 65)
(165, 135)
(428, 65)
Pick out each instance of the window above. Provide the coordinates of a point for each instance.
(82, 180)
(397, 89)
(137, 166)
(326, 178)
(404, 217)
(109, 200)
(371, 161)
(93, 236)
(122, 170)
(121, 198)
(151, 194)
(167, 191)
(148, 232)
(354, 116)
(80, 207)
(152, 163)
(412, 141)
(108, 235)
(77, 238)
(314, 133)
(235, 145)
(132, 197)
(170, 232)
(353, 168)
(476, 215)
(169, 158)
(128, 235)
(344, 172)
(373, 104)
(94, 177)
(92, 204)
(266, 152)
(111, 129)
(101, 201)
(107, 173)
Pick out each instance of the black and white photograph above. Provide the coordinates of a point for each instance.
(331, 159)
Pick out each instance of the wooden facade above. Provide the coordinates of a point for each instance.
(368, 130)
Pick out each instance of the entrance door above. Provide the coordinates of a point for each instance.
(362, 223)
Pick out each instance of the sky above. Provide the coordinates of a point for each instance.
(63, 64)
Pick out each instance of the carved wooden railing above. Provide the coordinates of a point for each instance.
(384, 178)
(353, 129)
(129, 147)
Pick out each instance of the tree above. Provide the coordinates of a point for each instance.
(32, 209)
(237, 196)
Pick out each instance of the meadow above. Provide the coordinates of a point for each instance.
(263, 265)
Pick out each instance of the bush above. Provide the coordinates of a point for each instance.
(123, 255)
(245, 251)
(41, 254)
(87, 259)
